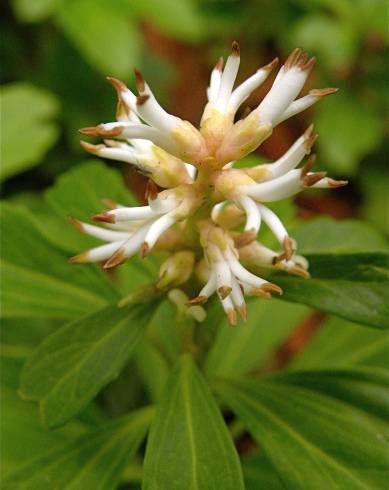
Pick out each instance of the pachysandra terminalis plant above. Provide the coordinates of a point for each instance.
(201, 209)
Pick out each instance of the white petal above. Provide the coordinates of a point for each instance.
(240, 94)
(273, 222)
(253, 216)
(280, 188)
(158, 227)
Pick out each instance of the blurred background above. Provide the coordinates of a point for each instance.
(57, 53)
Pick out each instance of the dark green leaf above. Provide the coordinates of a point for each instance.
(259, 473)
(324, 234)
(353, 286)
(341, 343)
(22, 434)
(238, 350)
(93, 461)
(38, 281)
(26, 112)
(108, 39)
(70, 367)
(189, 446)
(319, 429)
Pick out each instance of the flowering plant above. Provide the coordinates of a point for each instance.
(138, 351)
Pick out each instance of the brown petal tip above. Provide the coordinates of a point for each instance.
(270, 66)
(310, 180)
(104, 132)
(244, 238)
(104, 217)
(299, 271)
(235, 49)
(144, 249)
(269, 287)
(117, 258)
(79, 259)
(232, 318)
(141, 99)
(94, 149)
(76, 223)
(139, 81)
(90, 131)
(199, 300)
(118, 85)
(288, 247)
(242, 311)
(260, 293)
(293, 58)
(323, 92)
(334, 184)
(309, 165)
(220, 64)
(224, 291)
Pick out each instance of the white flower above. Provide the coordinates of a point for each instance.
(205, 202)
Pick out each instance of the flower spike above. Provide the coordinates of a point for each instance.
(206, 215)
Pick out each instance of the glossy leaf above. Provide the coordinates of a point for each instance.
(93, 461)
(38, 280)
(27, 113)
(70, 367)
(189, 446)
(353, 286)
(108, 39)
(326, 235)
(341, 343)
(238, 350)
(320, 430)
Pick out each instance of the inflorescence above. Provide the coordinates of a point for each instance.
(201, 209)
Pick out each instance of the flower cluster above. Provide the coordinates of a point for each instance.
(201, 209)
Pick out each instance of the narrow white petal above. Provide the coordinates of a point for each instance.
(241, 93)
(281, 95)
(227, 80)
(210, 286)
(154, 114)
(214, 84)
(273, 222)
(227, 304)
(223, 274)
(157, 228)
(296, 107)
(280, 188)
(133, 244)
(243, 274)
(103, 252)
(236, 293)
(289, 160)
(122, 154)
(103, 233)
(135, 213)
(253, 216)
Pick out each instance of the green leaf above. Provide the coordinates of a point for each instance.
(38, 10)
(259, 473)
(38, 281)
(27, 127)
(320, 430)
(238, 350)
(186, 23)
(348, 131)
(108, 39)
(70, 367)
(353, 286)
(189, 446)
(341, 343)
(324, 234)
(93, 461)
